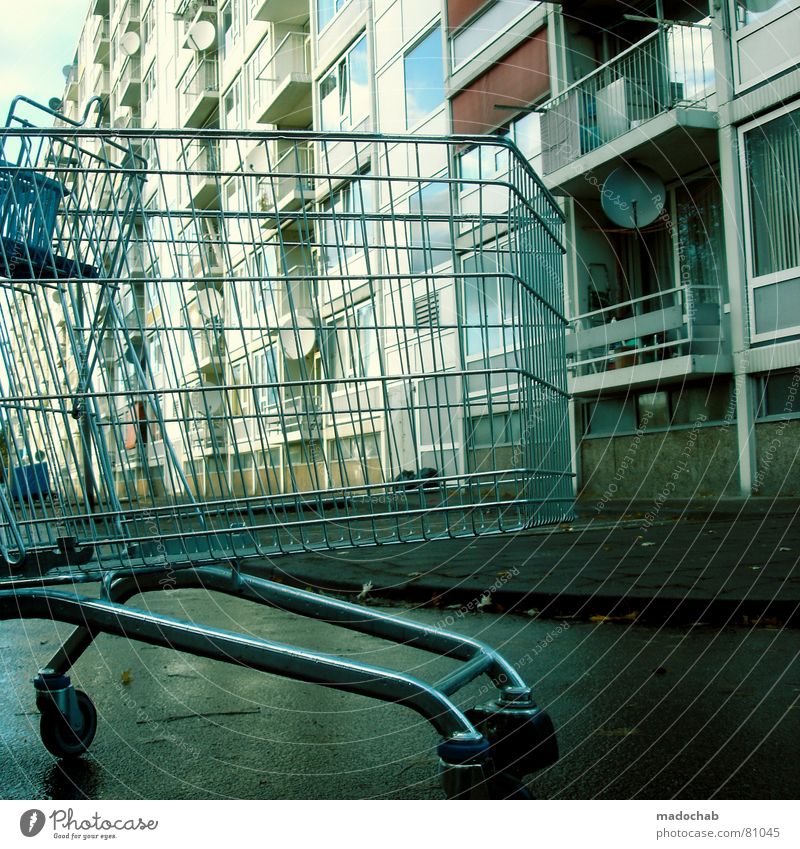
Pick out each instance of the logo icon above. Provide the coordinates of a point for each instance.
(31, 822)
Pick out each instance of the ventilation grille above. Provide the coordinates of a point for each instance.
(426, 310)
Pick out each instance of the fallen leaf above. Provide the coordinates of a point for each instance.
(532, 612)
(646, 544)
(485, 601)
(126, 677)
(366, 588)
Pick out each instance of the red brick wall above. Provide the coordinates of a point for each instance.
(519, 78)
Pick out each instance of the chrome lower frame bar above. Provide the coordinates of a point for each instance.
(109, 614)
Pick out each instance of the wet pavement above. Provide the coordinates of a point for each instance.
(641, 712)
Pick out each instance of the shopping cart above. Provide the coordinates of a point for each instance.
(229, 348)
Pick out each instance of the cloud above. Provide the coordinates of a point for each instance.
(37, 38)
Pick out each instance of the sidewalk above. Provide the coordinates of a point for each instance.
(734, 562)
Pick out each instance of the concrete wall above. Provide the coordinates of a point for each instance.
(777, 465)
(699, 462)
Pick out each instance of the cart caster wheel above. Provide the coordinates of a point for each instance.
(60, 738)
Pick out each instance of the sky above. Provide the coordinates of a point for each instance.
(37, 38)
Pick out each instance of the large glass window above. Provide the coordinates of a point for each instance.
(749, 11)
(266, 372)
(424, 78)
(430, 236)
(772, 153)
(327, 10)
(352, 343)
(489, 305)
(344, 91)
(344, 223)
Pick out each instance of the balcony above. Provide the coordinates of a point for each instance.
(199, 92)
(130, 82)
(131, 18)
(281, 12)
(100, 40)
(101, 83)
(191, 12)
(654, 103)
(665, 336)
(209, 356)
(289, 185)
(284, 90)
(71, 84)
(203, 169)
(99, 7)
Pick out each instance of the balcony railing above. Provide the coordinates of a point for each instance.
(672, 67)
(291, 56)
(100, 44)
(200, 91)
(131, 15)
(673, 323)
(290, 182)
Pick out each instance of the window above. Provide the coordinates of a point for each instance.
(424, 78)
(344, 91)
(750, 11)
(231, 26)
(430, 239)
(484, 28)
(343, 226)
(232, 105)
(772, 152)
(351, 345)
(266, 372)
(148, 27)
(489, 304)
(772, 162)
(779, 394)
(327, 11)
(149, 84)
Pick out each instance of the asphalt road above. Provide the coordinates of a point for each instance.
(641, 712)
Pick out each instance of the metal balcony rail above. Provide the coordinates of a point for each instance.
(188, 11)
(100, 32)
(671, 67)
(131, 70)
(131, 13)
(291, 173)
(291, 56)
(671, 323)
(201, 77)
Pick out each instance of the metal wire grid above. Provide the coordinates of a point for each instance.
(274, 342)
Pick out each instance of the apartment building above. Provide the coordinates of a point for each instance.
(683, 348)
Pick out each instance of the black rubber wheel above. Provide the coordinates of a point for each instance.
(58, 736)
(504, 786)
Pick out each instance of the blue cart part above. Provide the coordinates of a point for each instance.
(31, 481)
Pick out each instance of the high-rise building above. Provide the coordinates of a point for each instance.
(683, 303)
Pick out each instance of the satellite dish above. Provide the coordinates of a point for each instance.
(209, 303)
(202, 35)
(633, 196)
(298, 337)
(129, 44)
(211, 402)
(55, 104)
(67, 70)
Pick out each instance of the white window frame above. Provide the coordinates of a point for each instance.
(777, 277)
(423, 36)
(344, 59)
(739, 33)
(338, 7)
